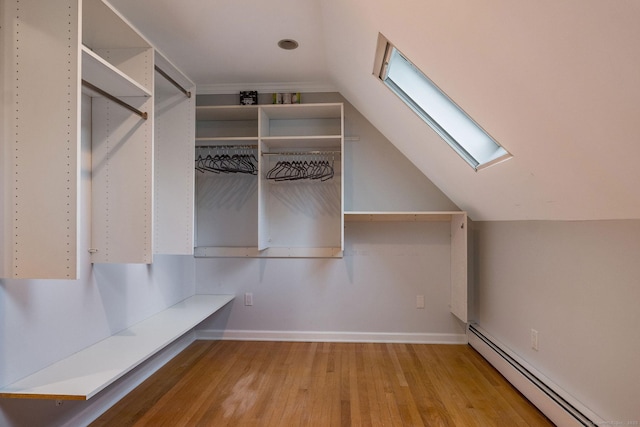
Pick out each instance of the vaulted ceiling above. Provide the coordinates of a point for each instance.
(556, 82)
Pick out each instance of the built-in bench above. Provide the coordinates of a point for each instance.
(85, 373)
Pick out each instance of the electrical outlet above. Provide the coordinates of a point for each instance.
(419, 301)
(534, 339)
(248, 298)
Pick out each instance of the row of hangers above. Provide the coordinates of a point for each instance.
(316, 165)
(236, 159)
(303, 167)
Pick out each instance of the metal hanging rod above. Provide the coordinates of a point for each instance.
(173, 82)
(301, 153)
(228, 147)
(142, 114)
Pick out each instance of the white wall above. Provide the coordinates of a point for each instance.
(369, 294)
(577, 283)
(42, 321)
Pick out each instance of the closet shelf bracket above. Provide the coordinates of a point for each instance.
(172, 81)
(118, 101)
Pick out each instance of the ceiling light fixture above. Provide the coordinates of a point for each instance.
(288, 44)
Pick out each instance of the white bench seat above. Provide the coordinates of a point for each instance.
(87, 372)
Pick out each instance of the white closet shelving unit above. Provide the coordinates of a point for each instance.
(459, 258)
(122, 140)
(56, 54)
(279, 219)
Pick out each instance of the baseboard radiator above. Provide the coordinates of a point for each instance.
(560, 408)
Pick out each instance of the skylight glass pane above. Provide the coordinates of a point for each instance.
(440, 112)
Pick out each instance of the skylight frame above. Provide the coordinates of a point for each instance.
(489, 154)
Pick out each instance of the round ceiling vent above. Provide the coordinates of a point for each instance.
(288, 44)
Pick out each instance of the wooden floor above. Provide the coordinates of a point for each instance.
(227, 383)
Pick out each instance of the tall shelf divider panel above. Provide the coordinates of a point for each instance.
(263, 194)
(284, 218)
(40, 73)
(174, 120)
(122, 139)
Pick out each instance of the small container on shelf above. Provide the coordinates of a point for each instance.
(286, 98)
(249, 97)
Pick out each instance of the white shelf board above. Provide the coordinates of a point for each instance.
(353, 216)
(276, 252)
(105, 76)
(227, 112)
(87, 372)
(224, 140)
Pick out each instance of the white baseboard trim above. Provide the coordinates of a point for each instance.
(104, 400)
(316, 336)
(560, 407)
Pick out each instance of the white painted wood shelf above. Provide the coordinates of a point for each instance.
(105, 76)
(360, 216)
(254, 252)
(85, 373)
(227, 140)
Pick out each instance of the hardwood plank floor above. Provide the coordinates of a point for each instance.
(236, 383)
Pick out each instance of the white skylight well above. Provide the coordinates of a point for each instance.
(431, 104)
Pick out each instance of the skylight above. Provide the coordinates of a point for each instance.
(431, 104)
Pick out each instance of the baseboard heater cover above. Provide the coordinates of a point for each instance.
(561, 410)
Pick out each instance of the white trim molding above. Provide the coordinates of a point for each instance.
(320, 336)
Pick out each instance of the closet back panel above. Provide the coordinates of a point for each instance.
(122, 157)
(233, 128)
(226, 210)
(304, 213)
(302, 127)
(134, 62)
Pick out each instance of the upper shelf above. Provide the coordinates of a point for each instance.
(105, 76)
(401, 216)
(272, 111)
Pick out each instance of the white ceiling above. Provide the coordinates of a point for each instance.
(556, 82)
(223, 45)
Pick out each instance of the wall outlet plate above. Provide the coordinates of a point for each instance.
(534, 339)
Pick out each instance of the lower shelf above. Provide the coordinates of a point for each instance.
(85, 373)
(276, 252)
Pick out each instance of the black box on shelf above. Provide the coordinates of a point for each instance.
(249, 97)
